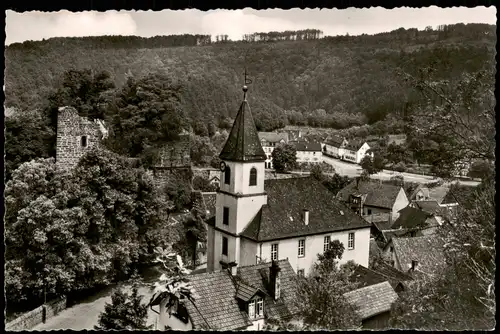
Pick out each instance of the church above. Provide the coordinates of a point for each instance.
(260, 220)
(264, 233)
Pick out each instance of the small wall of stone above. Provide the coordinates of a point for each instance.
(36, 316)
(70, 130)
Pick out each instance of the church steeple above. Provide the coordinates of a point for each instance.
(243, 143)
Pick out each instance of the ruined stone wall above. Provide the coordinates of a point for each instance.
(174, 161)
(34, 317)
(75, 136)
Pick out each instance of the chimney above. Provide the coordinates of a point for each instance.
(306, 217)
(414, 265)
(275, 279)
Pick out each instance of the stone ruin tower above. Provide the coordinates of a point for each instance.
(174, 160)
(75, 136)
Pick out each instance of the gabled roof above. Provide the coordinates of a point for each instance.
(429, 206)
(216, 306)
(411, 218)
(355, 144)
(427, 250)
(243, 143)
(273, 137)
(257, 276)
(377, 194)
(392, 274)
(335, 141)
(372, 300)
(389, 234)
(365, 277)
(307, 146)
(286, 200)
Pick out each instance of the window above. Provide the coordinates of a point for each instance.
(84, 141)
(253, 176)
(251, 309)
(300, 272)
(350, 241)
(369, 211)
(225, 216)
(302, 247)
(274, 251)
(326, 243)
(259, 311)
(227, 175)
(224, 246)
(392, 249)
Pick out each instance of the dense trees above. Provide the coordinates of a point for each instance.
(284, 157)
(70, 231)
(321, 298)
(372, 165)
(126, 312)
(296, 76)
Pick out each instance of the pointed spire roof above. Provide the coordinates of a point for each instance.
(243, 143)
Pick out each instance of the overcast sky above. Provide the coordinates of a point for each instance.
(38, 25)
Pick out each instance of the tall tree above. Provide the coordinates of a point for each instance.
(284, 157)
(125, 312)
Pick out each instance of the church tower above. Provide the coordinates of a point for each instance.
(241, 194)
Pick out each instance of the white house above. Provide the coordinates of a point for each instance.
(355, 151)
(334, 146)
(268, 141)
(308, 152)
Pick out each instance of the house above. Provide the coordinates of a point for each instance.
(261, 220)
(417, 255)
(458, 194)
(268, 141)
(415, 191)
(355, 151)
(240, 298)
(334, 146)
(308, 152)
(416, 221)
(373, 303)
(370, 197)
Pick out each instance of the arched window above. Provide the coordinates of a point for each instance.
(253, 176)
(227, 175)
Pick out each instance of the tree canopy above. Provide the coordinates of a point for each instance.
(284, 157)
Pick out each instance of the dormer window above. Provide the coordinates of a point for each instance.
(253, 176)
(256, 308)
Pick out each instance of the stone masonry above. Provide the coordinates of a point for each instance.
(75, 136)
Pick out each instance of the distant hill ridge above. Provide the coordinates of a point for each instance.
(331, 81)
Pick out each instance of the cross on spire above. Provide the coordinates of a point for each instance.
(247, 82)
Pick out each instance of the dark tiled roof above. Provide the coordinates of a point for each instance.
(354, 145)
(245, 292)
(458, 194)
(273, 137)
(334, 141)
(392, 273)
(429, 206)
(438, 193)
(216, 304)
(210, 203)
(243, 143)
(389, 234)
(427, 250)
(372, 300)
(257, 276)
(219, 293)
(365, 277)
(381, 225)
(287, 198)
(378, 194)
(411, 218)
(307, 146)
